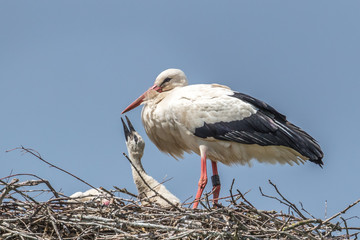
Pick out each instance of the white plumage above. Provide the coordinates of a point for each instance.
(92, 194)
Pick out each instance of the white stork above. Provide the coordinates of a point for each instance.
(219, 124)
(145, 184)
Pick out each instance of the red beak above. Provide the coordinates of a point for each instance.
(140, 99)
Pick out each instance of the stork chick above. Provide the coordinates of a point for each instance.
(90, 195)
(135, 145)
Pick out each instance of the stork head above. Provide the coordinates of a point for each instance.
(166, 81)
(170, 79)
(134, 142)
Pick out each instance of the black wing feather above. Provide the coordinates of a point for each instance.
(266, 127)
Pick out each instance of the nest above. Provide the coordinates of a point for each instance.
(22, 216)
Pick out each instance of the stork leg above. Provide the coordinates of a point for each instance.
(215, 182)
(203, 177)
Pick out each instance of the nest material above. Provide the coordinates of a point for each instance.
(23, 217)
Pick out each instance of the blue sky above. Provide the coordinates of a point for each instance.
(68, 69)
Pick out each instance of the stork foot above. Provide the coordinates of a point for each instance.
(201, 187)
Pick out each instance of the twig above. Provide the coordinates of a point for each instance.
(346, 227)
(231, 194)
(19, 233)
(38, 156)
(53, 220)
(287, 201)
(243, 197)
(336, 215)
(302, 208)
(301, 223)
(124, 190)
(8, 188)
(342, 212)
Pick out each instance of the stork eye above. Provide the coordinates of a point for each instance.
(165, 81)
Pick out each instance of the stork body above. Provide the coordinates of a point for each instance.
(219, 124)
(90, 195)
(145, 184)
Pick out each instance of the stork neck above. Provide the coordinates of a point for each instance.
(136, 162)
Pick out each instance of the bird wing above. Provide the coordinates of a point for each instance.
(220, 113)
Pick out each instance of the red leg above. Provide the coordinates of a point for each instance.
(216, 182)
(203, 177)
